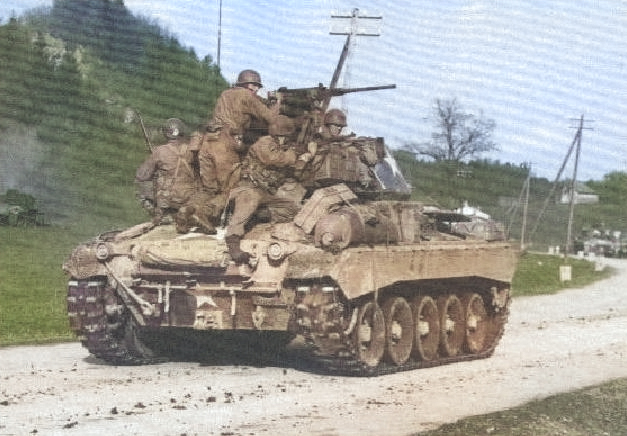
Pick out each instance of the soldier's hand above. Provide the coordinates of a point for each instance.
(302, 161)
(305, 157)
(312, 147)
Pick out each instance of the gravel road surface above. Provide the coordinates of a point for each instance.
(552, 344)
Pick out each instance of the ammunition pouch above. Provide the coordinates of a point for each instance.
(263, 177)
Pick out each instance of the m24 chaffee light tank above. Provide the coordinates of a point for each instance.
(367, 281)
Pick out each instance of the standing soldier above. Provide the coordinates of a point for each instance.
(171, 169)
(224, 146)
(268, 165)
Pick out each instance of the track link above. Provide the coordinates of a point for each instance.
(103, 326)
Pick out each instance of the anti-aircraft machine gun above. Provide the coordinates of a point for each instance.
(366, 282)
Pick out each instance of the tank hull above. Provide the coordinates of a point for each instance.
(365, 310)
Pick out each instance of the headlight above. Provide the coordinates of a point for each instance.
(275, 251)
(102, 251)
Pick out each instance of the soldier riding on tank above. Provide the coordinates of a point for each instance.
(224, 145)
(268, 164)
(176, 188)
(169, 167)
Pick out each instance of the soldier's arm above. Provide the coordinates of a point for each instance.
(259, 110)
(146, 170)
(270, 153)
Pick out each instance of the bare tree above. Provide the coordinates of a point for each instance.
(458, 135)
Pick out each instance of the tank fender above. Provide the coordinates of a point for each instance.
(360, 271)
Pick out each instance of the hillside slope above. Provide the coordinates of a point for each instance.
(72, 80)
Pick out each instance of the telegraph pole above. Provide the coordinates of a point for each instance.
(354, 29)
(219, 34)
(525, 207)
(568, 245)
(575, 144)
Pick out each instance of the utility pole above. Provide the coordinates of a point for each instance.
(219, 34)
(576, 140)
(353, 29)
(525, 206)
(568, 246)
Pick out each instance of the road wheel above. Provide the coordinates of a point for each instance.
(399, 330)
(452, 325)
(369, 334)
(426, 328)
(476, 323)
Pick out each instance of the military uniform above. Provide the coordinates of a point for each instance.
(266, 168)
(223, 148)
(177, 186)
(170, 166)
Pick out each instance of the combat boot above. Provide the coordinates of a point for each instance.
(183, 218)
(236, 253)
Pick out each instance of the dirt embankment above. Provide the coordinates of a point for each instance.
(552, 344)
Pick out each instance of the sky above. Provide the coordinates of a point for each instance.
(534, 67)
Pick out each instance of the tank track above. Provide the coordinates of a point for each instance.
(104, 326)
(344, 363)
(108, 331)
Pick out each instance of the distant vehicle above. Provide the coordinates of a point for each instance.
(605, 244)
(18, 209)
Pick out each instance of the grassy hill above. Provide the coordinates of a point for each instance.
(74, 76)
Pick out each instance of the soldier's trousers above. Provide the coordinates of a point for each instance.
(246, 201)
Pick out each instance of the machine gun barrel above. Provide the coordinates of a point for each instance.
(332, 92)
(341, 91)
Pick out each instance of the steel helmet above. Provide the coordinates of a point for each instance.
(173, 128)
(335, 116)
(248, 76)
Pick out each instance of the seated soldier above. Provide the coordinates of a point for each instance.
(268, 164)
(359, 155)
(334, 123)
(172, 170)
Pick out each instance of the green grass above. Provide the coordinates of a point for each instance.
(33, 285)
(598, 410)
(539, 274)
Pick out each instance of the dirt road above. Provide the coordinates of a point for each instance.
(552, 344)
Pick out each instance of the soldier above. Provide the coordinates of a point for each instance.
(334, 123)
(224, 144)
(331, 137)
(268, 165)
(175, 181)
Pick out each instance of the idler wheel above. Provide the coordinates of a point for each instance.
(477, 323)
(399, 330)
(426, 328)
(452, 325)
(369, 334)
